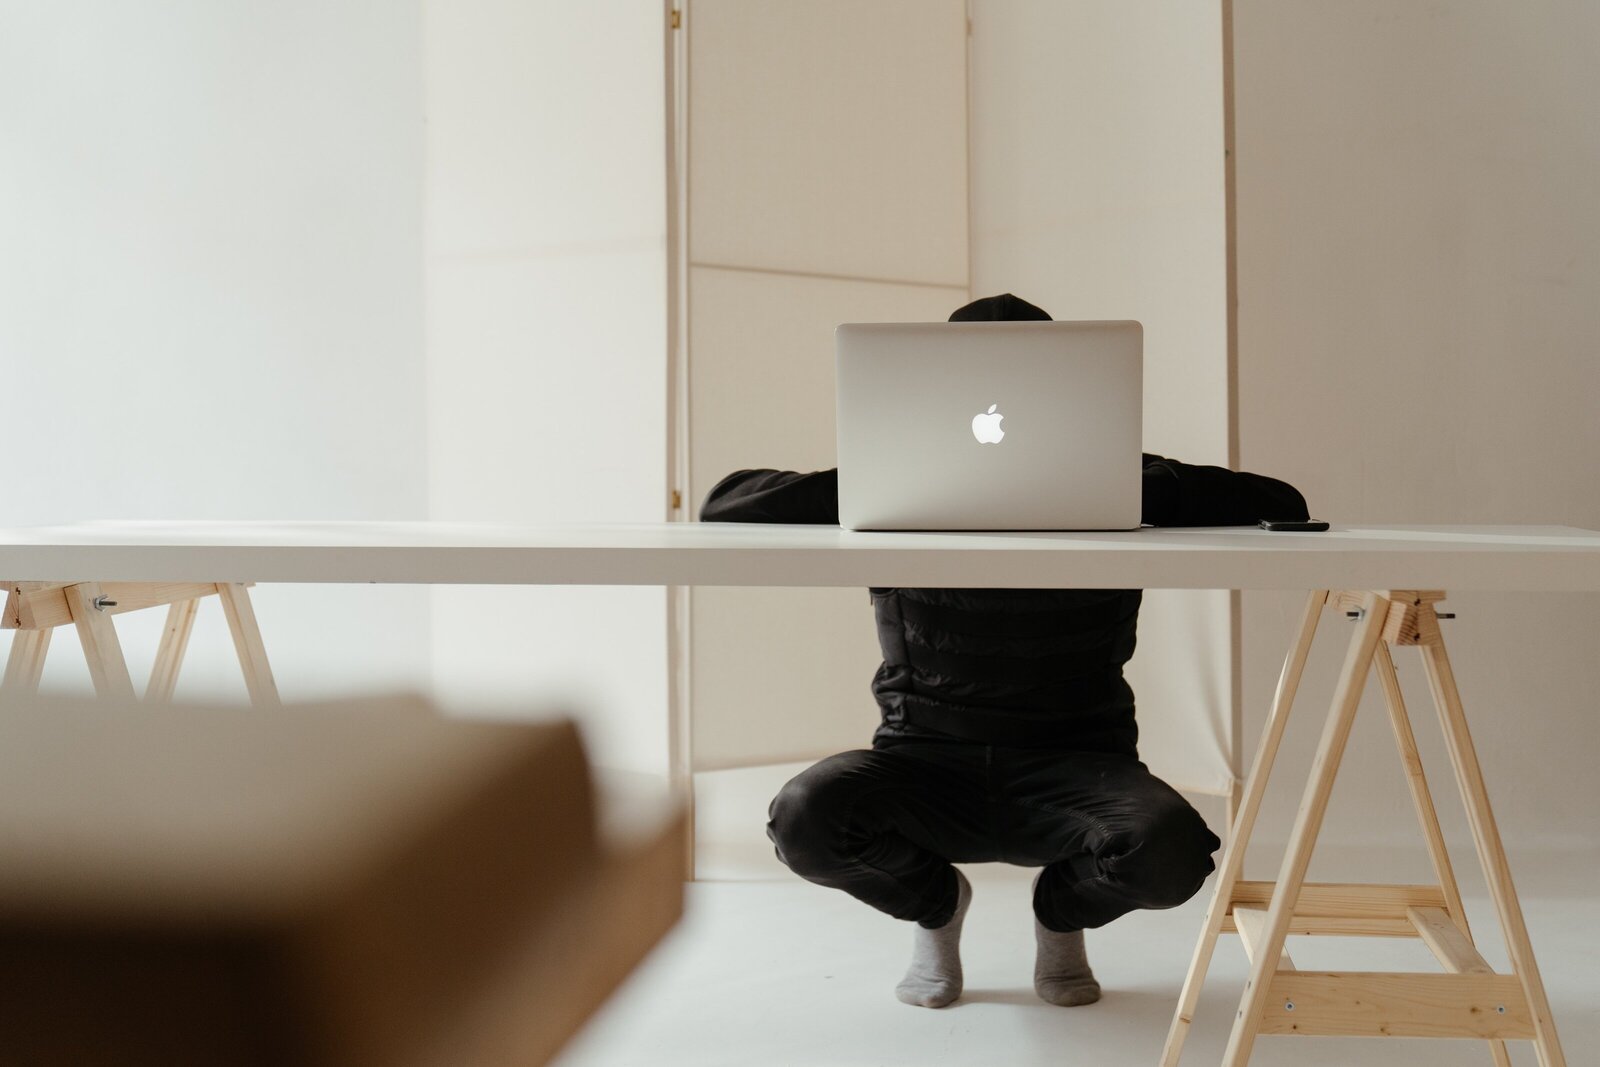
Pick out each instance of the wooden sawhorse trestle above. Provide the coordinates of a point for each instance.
(35, 609)
(1468, 1000)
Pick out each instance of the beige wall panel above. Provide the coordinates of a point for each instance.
(761, 379)
(1097, 193)
(1417, 190)
(1097, 187)
(514, 168)
(779, 674)
(829, 137)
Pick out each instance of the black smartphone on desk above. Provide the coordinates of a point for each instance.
(1311, 525)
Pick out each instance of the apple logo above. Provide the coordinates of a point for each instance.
(986, 427)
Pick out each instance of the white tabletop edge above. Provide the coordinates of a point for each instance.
(1543, 558)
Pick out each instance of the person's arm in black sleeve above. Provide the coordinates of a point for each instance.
(1187, 494)
(774, 496)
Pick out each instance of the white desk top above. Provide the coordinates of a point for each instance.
(1357, 557)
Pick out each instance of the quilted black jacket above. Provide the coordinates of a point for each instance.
(1033, 668)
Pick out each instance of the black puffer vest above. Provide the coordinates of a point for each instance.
(1029, 668)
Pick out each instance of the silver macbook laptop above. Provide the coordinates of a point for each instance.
(990, 425)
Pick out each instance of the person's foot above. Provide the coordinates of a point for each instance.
(1061, 973)
(934, 977)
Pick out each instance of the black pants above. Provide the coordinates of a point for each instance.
(885, 824)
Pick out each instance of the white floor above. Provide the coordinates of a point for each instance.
(766, 969)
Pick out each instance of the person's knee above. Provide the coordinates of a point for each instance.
(805, 820)
(1166, 859)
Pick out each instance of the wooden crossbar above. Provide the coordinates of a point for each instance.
(45, 608)
(1351, 900)
(1409, 616)
(1339, 909)
(1396, 1004)
(1337, 926)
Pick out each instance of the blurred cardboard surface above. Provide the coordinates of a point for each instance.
(364, 882)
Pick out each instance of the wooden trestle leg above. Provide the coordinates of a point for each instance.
(1307, 824)
(101, 649)
(1469, 1000)
(25, 665)
(1411, 760)
(248, 644)
(1491, 852)
(1243, 822)
(174, 643)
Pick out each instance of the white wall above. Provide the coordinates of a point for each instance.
(1417, 195)
(212, 262)
(546, 337)
(1097, 193)
(210, 298)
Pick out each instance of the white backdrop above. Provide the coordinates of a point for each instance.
(211, 299)
(239, 280)
(547, 304)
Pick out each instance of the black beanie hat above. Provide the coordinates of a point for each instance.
(1002, 308)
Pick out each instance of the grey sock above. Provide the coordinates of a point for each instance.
(1061, 973)
(934, 977)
